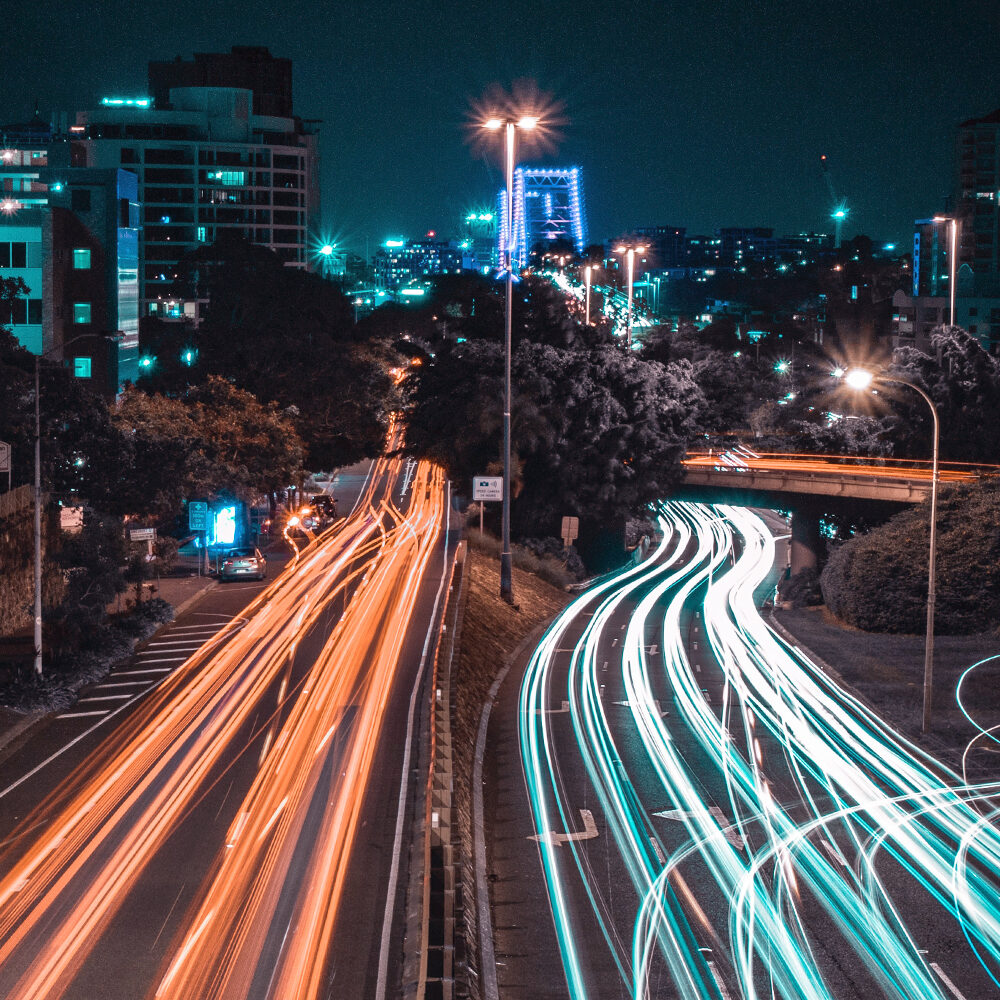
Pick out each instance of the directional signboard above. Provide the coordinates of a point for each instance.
(487, 488)
(197, 515)
(142, 534)
(570, 530)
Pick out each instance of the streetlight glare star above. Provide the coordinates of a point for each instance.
(858, 378)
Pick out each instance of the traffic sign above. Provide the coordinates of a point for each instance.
(4, 457)
(487, 488)
(570, 530)
(142, 534)
(71, 519)
(197, 515)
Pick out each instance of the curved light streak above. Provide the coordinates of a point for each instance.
(820, 790)
(283, 862)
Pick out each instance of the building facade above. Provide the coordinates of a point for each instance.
(207, 166)
(72, 235)
(548, 205)
(977, 201)
(399, 262)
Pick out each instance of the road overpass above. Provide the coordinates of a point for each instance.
(811, 485)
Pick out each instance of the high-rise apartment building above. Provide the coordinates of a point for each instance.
(548, 206)
(978, 203)
(398, 262)
(207, 166)
(244, 67)
(72, 235)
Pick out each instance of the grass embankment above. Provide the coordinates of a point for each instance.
(888, 671)
(491, 630)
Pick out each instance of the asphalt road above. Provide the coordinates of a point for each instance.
(111, 857)
(790, 826)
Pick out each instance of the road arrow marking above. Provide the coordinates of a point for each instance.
(731, 834)
(834, 853)
(678, 814)
(728, 832)
(652, 650)
(554, 839)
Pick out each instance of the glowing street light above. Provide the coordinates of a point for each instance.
(510, 126)
(630, 252)
(860, 379)
(586, 281)
(952, 255)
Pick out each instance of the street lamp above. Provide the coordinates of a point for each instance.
(860, 379)
(38, 492)
(586, 281)
(630, 252)
(510, 125)
(952, 255)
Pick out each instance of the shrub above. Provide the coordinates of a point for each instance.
(878, 581)
(801, 590)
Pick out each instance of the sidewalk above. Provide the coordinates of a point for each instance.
(181, 589)
(887, 671)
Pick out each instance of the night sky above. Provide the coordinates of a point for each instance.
(693, 114)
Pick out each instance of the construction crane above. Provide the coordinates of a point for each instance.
(839, 210)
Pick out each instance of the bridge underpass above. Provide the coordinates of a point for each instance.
(811, 486)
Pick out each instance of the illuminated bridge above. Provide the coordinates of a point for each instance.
(811, 485)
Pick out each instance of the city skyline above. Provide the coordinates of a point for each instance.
(703, 118)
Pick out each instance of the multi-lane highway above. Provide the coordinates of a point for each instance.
(712, 816)
(232, 829)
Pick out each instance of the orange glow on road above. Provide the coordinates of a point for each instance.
(70, 866)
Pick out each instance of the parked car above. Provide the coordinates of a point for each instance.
(244, 562)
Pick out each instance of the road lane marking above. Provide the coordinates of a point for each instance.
(726, 995)
(834, 853)
(106, 697)
(558, 839)
(553, 711)
(81, 715)
(122, 684)
(152, 670)
(179, 642)
(955, 991)
(657, 850)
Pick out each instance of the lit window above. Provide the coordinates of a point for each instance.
(81, 260)
(81, 312)
(201, 234)
(81, 367)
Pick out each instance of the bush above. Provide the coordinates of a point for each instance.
(560, 572)
(801, 590)
(878, 581)
(111, 643)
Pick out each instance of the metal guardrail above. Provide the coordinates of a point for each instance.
(438, 916)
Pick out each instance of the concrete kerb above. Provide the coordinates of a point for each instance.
(487, 954)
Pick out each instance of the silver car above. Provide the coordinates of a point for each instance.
(244, 562)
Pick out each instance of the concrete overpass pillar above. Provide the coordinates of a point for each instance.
(807, 542)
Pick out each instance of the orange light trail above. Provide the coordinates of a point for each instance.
(882, 468)
(71, 864)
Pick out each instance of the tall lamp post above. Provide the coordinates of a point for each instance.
(510, 126)
(38, 492)
(952, 261)
(630, 252)
(858, 378)
(586, 281)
